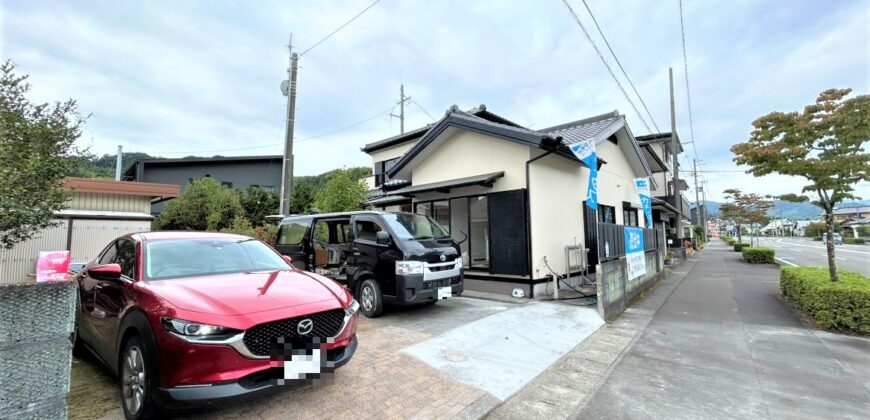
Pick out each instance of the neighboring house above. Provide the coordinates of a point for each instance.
(514, 196)
(779, 227)
(238, 172)
(853, 228)
(657, 152)
(845, 214)
(98, 211)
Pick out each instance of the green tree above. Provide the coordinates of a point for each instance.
(259, 203)
(744, 209)
(37, 146)
(341, 193)
(815, 229)
(302, 199)
(824, 144)
(204, 205)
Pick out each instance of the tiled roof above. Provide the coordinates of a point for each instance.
(587, 128)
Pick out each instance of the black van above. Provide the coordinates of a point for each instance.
(383, 257)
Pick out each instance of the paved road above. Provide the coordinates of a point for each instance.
(724, 345)
(804, 251)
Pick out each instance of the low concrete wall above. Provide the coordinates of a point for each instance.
(616, 291)
(36, 324)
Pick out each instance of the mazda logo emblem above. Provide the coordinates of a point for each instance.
(443, 258)
(305, 326)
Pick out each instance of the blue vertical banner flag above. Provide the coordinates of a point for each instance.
(643, 190)
(585, 151)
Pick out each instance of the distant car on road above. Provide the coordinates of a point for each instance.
(186, 318)
(838, 239)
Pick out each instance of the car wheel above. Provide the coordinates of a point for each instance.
(136, 380)
(370, 298)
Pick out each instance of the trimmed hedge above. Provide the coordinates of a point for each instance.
(817, 238)
(853, 241)
(843, 305)
(738, 246)
(758, 255)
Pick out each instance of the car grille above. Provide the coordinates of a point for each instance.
(260, 338)
(450, 281)
(441, 268)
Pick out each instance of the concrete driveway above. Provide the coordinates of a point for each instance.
(458, 358)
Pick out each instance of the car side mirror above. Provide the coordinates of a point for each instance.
(383, 238)
(106, 272)
(288, 259)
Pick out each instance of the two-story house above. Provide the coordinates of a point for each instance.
(657, 150)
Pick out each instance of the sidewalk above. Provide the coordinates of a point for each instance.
(724, 345)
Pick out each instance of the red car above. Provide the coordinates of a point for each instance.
(187, 318)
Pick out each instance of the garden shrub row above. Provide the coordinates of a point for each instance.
(854, 241)
(738, 246)
(758, 255)
(843, 305)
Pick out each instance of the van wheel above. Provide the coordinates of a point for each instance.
(137, 380)
(371, 300)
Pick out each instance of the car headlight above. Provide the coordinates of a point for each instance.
(409, 267)
(352, 308)
(193, 329)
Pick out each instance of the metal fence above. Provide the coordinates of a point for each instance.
(611, 241)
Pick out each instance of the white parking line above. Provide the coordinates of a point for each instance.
(789, 263)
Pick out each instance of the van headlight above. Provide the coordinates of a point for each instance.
(409, 267)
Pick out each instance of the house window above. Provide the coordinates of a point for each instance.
(478, 233)
(629, 217)
(606, 214)
(438, 210)
(381, 169)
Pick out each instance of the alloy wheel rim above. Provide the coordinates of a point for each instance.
(133, 376)
(368, 298)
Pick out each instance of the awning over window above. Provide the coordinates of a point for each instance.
(386, 200)
(485, 180)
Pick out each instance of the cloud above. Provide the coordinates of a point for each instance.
(169, 78)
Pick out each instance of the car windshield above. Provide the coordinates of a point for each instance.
(415, 226)
(176, 258)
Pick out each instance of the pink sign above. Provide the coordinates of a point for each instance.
(52, 266)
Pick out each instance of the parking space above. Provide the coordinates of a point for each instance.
(414, 363)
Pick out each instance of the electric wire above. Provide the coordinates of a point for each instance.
(600, 32)
(421, 109)
(339, 28)
(609, 69)
(686, 73)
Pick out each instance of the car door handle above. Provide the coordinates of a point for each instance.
(356, 254)
(99, 313)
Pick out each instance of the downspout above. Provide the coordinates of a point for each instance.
(546, 153)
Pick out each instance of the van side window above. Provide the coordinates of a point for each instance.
(367, 230)
(292, 233)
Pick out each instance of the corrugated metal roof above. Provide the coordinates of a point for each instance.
(102, 214)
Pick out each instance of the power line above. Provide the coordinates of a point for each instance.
(340, 28)
(686, 71)
(613, 75)
(328, 133)
(424, 111)
(620, 66)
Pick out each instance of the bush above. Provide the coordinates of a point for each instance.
(758, 255)
(817, 238)
(738, 246)
(242, 226)
(204, 205)
(842, 305)
(853, 241)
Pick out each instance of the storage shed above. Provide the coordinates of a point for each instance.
(98, 211)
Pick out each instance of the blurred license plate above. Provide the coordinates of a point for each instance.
(445, 292)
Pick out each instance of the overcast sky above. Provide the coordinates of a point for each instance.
(181, 78)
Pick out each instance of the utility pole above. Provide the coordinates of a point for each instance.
(119, 160)
(287, 169)
(697, 195)
(675, 152)
(401, 116)
(704, 211)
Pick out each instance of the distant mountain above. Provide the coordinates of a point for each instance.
(788, 210)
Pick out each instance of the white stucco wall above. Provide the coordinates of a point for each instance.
(616, 181)
(466, 153)
(557, 188)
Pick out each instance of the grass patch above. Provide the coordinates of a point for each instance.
(843, 305)
(758, 255)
